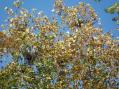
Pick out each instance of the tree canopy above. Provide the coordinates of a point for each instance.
(67, 51)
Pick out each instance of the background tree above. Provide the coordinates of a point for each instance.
(81, 56)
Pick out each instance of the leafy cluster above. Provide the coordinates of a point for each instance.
(114, 8)
(67, 50)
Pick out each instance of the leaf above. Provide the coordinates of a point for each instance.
(112, 8)
(36, 44)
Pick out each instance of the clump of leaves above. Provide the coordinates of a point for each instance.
(114, 8)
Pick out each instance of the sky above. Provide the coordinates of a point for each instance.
(47, 5)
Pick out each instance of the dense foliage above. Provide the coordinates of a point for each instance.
(66, 51)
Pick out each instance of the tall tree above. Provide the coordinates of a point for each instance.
(80, 55)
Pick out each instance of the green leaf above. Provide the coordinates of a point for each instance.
(112, 9)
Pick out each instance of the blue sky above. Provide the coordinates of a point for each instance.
(47, 5)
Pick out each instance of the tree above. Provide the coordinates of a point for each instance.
(82, 56)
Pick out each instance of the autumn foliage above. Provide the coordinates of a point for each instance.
(68, 50)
